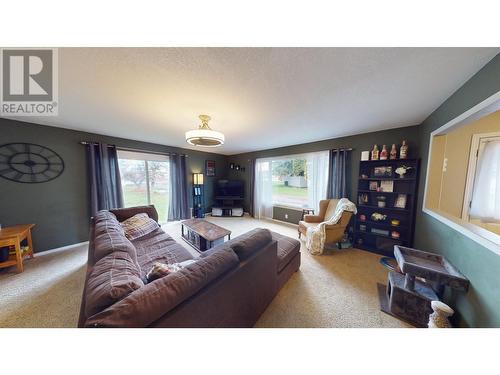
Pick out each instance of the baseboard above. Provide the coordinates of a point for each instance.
(63, 248)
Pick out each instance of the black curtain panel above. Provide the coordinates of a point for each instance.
(337, 187)
(178, 208)
(251, 171)
(104, 174)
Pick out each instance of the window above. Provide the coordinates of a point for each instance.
(296, 181)
(482, 197)
(145, 180)
(290, 182)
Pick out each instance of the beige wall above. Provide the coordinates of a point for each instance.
(446, 190)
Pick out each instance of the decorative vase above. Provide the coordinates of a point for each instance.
(394, 152)
(383, 153)
(375, 152)
(439, 318)
(403, 152)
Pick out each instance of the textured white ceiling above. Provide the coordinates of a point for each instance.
(258, 97)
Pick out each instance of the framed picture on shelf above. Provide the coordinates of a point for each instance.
(210, 168)
(387, 186)
(400, 201)
(382, 171)
(373, 185)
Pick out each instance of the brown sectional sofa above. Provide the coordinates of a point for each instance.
(228, 286)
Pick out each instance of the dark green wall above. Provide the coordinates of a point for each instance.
(360, 142)
(60, 208)
(480, 307)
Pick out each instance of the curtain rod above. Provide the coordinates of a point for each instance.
(333, 149)
(134, 149)
(342, 149)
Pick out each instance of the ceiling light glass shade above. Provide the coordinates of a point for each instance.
(204, 136)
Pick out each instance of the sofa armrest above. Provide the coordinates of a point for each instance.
(147, 304)
(123, 214)
(313, 219)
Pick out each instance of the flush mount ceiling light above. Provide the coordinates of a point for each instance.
(204, 136)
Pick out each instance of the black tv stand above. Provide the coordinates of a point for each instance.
(228, 207)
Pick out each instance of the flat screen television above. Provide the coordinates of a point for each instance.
(229, 189)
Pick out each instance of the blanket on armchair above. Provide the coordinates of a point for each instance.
(315, 240)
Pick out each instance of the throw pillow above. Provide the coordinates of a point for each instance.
(138, 225)
(161, 269)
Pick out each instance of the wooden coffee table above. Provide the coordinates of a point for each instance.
(203, 235)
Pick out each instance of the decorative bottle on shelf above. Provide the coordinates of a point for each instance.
(375, 152)
(383, 153)
(394, 152)
(403, 152)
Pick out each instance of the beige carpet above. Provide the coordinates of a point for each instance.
(333, 290)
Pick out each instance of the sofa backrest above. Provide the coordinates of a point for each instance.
(123, 214)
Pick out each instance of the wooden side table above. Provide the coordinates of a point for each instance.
(12, 236)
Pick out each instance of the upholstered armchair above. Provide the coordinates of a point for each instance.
(334, 232)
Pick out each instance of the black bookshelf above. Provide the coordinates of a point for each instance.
(378, 182)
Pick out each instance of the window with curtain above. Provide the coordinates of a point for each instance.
(485, 202)
(295, 181)
(145, 180)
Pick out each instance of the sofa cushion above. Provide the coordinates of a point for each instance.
(152, 301)
(138, 226)
(158, 246)
(110, 225)
(111, 241)
(245, 245)
(111, 279)
(104, 215)
(287, 249)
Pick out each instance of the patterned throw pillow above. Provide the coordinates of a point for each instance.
(138, 225)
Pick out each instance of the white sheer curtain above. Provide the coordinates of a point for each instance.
(486, 195)
(317, 172)
(263, 189)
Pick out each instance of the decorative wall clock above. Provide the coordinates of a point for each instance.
(29, 163)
